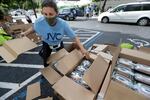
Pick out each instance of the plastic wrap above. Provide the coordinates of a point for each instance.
(123, 69)
(143, 89)
(122, 79)
(125, 62)
(142, 68)
(142, 78)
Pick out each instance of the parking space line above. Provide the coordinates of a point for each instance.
(21, 65)
(33, 52)
(8, 94)
(8, 85)
(2, 60)
(86, 35)
(79, 37)
(91, 40)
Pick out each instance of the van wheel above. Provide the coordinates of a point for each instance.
(67, 18)
(143, 21)
(105, 20)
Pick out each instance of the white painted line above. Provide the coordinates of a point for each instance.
(28, 52)
(79, 37)
(77, 30)
(86, 35)
(92, 37)
(21, 65)
(8, 94)
(8, 85)
(67, 42)
(86, 30)
(2, 60)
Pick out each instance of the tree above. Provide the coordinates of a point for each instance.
(103, 7)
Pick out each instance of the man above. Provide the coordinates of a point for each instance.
(52, 30)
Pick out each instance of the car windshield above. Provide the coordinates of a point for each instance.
(65, 11)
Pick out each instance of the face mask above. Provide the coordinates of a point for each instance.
(51, 20)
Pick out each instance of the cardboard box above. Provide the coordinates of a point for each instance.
(101, 49)
(96, 48)
(17, 29)
(105, 85)
(117, 91)
(136, 56)
(145, 49)
(94, 77)
(57, 56)
(12, 48)
(69, 62)
(33, 91)
(62, 84)
(48, 98)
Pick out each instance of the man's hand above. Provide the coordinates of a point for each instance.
(85, 53)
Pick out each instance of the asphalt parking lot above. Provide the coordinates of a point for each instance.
(14, 77)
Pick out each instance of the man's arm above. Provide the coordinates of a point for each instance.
(83, 50)
(29, 31)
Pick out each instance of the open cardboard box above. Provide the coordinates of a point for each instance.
(17, 29)
(69, 89)
(112, 90)
(145, 49)
(12, 48)
(117, 91)
(102, 49)
(34, 91)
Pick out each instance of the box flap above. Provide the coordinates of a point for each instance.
(116, 91)
(145, 49)
(56, 56)
(48, 98)
(135, 55)
(105, 85)
(50, 74)
(9, 57)
(69, 62)
(93, 56)
(94, 76)
(33, 91)
(70, 90)
(20, 45)
(105, 55)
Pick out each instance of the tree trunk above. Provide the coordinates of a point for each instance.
(103, 7)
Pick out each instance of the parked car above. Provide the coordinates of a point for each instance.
(17, 12)
(138, 12)
(31, 12)
(67, 13)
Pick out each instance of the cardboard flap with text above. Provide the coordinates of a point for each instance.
(94, 76)
(12, 48)
(70, 90)
(56, 56)
(69, 62)
(135, 55)
(117, 91)
(51, 75)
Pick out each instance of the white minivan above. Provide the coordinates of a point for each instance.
(138, 12)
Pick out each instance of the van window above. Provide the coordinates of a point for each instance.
(146, 6)
(135, 7)
(119, 9)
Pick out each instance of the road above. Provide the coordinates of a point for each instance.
(25, 69)
(93, 24)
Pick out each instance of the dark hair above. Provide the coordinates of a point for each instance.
(50, 3)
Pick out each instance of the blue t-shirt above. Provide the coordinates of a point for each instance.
(53, 35)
